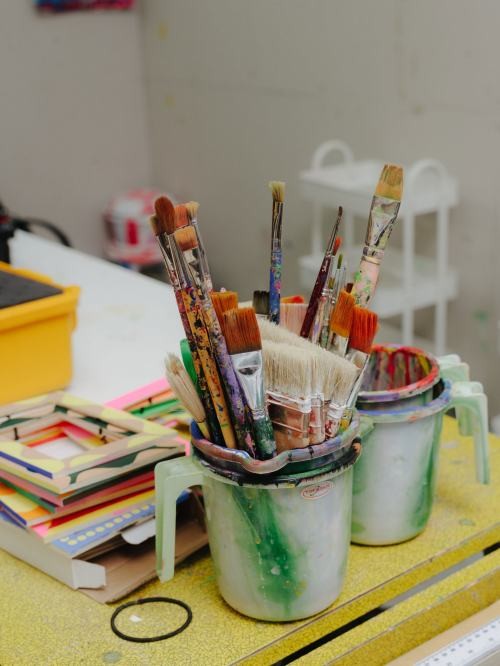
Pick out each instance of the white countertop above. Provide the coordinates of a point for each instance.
(126, 321)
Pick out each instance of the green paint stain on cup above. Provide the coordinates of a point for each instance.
(467, 521)
(111, 657)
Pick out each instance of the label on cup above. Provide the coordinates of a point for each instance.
(317, 491)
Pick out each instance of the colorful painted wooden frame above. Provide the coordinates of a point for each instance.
(132, 442)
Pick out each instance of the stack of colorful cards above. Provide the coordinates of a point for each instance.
(76, 475)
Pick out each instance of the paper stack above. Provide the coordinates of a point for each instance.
(78, 479)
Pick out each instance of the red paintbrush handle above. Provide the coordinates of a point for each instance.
(314, 300)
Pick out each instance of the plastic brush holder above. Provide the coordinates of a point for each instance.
(279, 537)
(394, 481)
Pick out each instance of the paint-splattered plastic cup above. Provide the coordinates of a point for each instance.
(279, 540)
(395, 479)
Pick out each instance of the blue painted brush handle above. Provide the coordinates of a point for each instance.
(275, 286)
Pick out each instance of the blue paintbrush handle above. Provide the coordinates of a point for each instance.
(275, 286)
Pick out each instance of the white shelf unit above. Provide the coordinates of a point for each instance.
(408, 281)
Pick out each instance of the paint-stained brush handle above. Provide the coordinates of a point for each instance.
(275, 285)
(312, 308)
(233, 391)
(197, 325)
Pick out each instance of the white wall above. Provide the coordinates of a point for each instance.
(242, 92)
(72, 115)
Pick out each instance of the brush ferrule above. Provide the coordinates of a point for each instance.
(276, 224)
(248, 368)
(360, 360)
(168, 260)
(205, 270)
(339, 345)
(383, 214)
(179, 266)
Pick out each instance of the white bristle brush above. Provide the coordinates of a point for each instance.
(185, 391)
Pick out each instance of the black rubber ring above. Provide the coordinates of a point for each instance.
(150, 600)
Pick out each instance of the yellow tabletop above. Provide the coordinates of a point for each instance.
(44, 622)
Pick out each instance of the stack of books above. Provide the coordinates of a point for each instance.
(77, 483)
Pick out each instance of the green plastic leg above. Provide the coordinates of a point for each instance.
(171, 478)
(455, 370)
(470, 396)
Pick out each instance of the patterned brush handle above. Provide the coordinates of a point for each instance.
(200, 334)
(333, 419)
(318, 320)
(365, 281)
(315, 296)
(275, 285)
(230, 381)
(264, 437)
(205, 398)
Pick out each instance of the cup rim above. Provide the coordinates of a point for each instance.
(409, 390)
(414, 412)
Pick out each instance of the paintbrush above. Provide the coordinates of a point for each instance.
(287, 378)
(192, 213)
(363, 330)
(260, 303)
(193, 271)
(322, 317)
(338, 376)
(278, 191)
(340, 323)
(321, 278)
(185, 391)
(163, 225)
(383, 214)
(223, 301)
(337, 282)
(244, 345)
(292, 316)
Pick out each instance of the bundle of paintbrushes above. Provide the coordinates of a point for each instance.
(228, 410)
(336, 316)
(290, 390)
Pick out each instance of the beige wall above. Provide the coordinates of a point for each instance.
(242, 92)
(72, 115)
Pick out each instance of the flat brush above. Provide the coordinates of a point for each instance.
(383, 213)
(341, 372)
(185, 391)
(193, 268)
(163, 225)
(340, 323)
(363, 330)
(260, 303)
(192, 214)
(245, 348)
(222, 302)
(321, 279)
(278, 191)
(287, 377)
(292, 316)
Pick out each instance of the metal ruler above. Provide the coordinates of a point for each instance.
(473, 648)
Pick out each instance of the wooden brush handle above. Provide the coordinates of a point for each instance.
(275, 285)
(200, 334)
(213, 424)
(365, 281)
(230, 381)
(315, 296)
(264, 437)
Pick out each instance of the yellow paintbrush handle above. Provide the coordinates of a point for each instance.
(195, 318)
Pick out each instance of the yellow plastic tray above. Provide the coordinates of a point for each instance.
(35, 342)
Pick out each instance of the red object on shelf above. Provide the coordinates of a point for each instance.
(129, 239)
